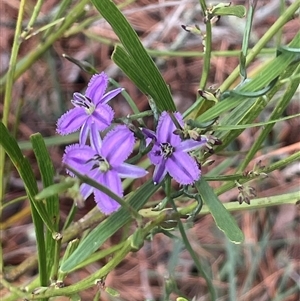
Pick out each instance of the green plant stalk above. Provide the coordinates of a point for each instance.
(188, 245)
(273, 30)
(54, 82)
(207, 56)
(90, 281)
(71, 246)
(203, 6)
(276, 113)
(36, 11)
(248, 29)
(16, 69)
(280, 32)
(6, 106)
(55, 267)
(35, 54)
(231, 257)
(129, 100)
(99, 255)
(16, 293)
(281, 163)
(246, 37)
(170, 53)
(90, 219)
(255, 204)
(62, 9)
(70, 217)
(14, 201)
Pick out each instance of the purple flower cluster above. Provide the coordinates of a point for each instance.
(104, 160)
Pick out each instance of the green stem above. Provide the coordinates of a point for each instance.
(207, 56)
(6, 106)
(277, 200)
(57, 246)
(273, 30)
(246, 38)
(90, 281)
(276, 113)
(170, 53)
(284, 162)
(36, 11)
(189, 247)
(36, 53)
(159, 217)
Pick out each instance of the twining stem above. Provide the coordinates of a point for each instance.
(187, 243)
(276, 113)
(273, 30)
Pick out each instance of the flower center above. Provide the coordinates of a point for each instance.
(100, 163)
(83, 102)
(167, 150)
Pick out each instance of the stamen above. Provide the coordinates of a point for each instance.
(99, 162)
(167, 149)
(83, 101)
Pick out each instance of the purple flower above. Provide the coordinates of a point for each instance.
(169, 153)
(105, 165)
(91, 113)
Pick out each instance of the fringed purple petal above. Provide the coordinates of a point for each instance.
(111, 94)
(96, 87)
(86, 190)
(117, 145)
(190, 144)
(130, 171)
(79, 158)
(165, 129)
(71, 121)
(160, 172)
(102, 116)
(84, 132)
(111, 180)
(183, 168)
(95, 138)
(155, 154)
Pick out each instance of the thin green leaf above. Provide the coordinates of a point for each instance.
(127, 64)
(51, 141)
(281, 105)
(112, 292)
(236, 10)
(272, 70)
(252, 94)
(158, 89)
(252, 125)
(224, 220)
(108, 227)
(38, 210)
(247, 112)
(52, 202)
(55, 189)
